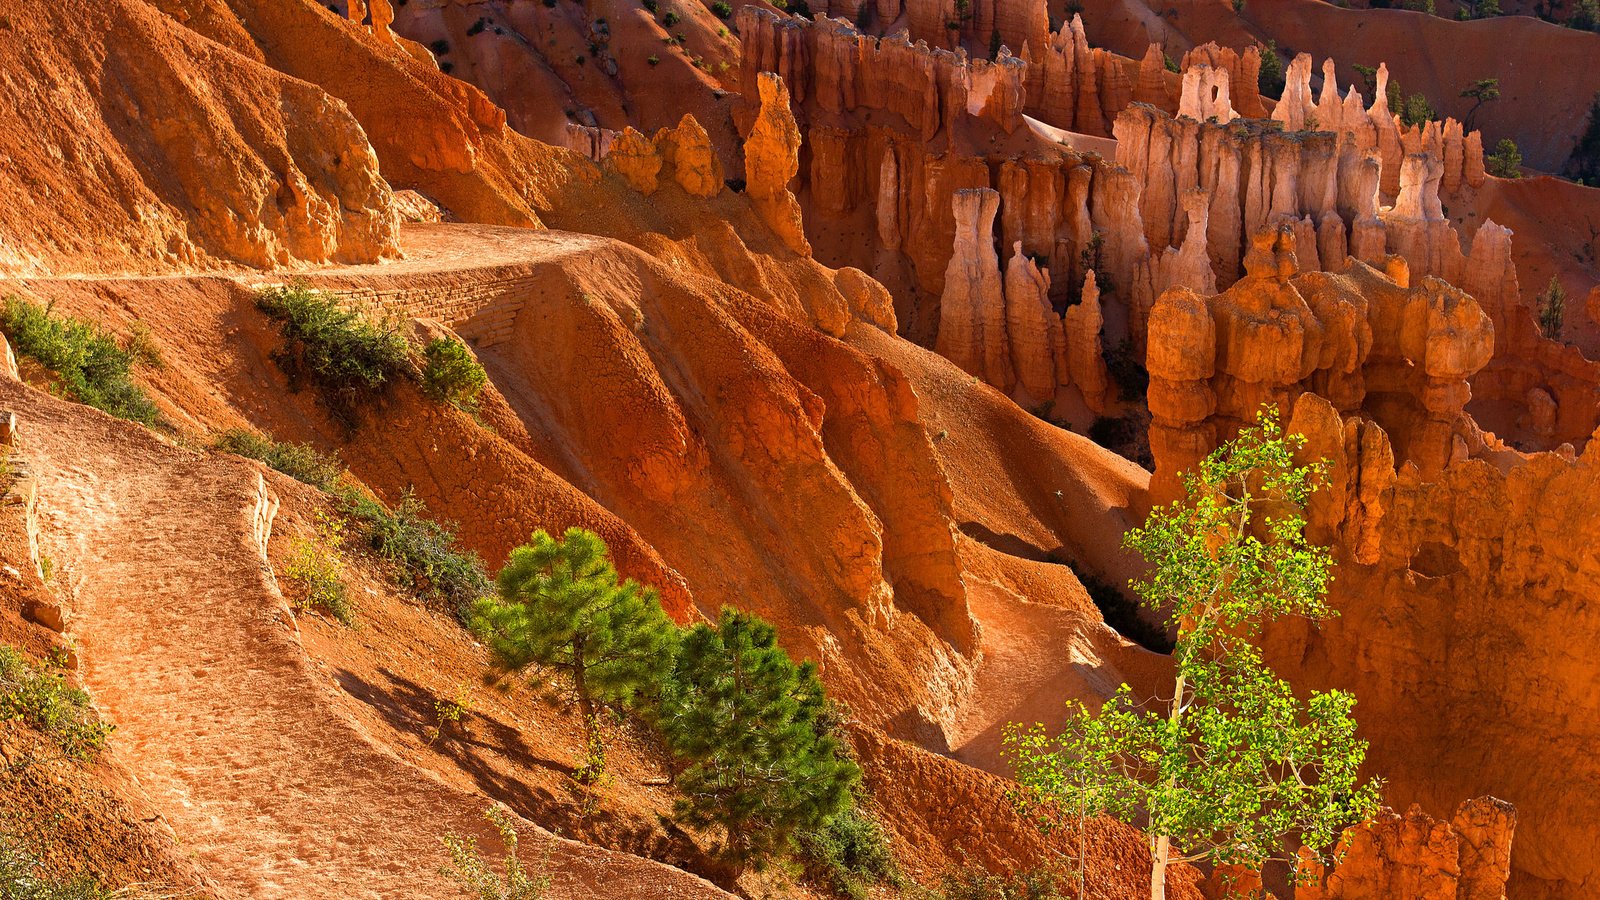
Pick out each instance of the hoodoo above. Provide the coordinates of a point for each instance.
(940, 449)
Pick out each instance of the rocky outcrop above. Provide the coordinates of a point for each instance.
(1033, 329)
(1462, 561)
(771, 160)
(1244, 73)
(634, 158)
(1086, 363)
(685, 152)
(1214, 361)
(136, 143)
(972, 323)
(695, 166)
(1082, 88)
(1419, 857)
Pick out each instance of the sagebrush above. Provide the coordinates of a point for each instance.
(848, 854)
(302, 462)
(316, 563)
(476, 875)
(422, 550)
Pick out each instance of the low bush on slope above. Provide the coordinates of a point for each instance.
(86, 360)
(422, 552)
(349, 358)
(42, 699)
(302, 462)
(451, 375)
(353, 360)
(23, 878)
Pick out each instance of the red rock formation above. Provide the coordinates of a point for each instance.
(1460, 561)
(771, 160)
(1086, 364)
(1421, 858)
(1214, 361)
(154, 148)
(1244, 71)
(972, 313)
(1033, 330)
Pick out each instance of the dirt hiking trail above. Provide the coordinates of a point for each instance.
(189, 648)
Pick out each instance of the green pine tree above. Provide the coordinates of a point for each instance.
(750, 725)
(562, 609)
(1233, 767)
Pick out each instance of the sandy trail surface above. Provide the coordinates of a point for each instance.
(189, 648)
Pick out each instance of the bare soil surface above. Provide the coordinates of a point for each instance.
(191, 650)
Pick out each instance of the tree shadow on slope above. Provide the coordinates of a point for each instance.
(540, 789)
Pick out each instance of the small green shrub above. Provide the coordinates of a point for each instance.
(1585, 15)
(649, 5)
(653, 60)
(351, 359)
(22, 878)
(1584, 164)
(316, 563)
(1505, 161)
(971, 882)
(721, 9)
(45, 701)
(1416, 110)
(302, 462)
(1270, 78)
(1123, 364)
(477, 876)
(83, 356)
(848, 854)
(422, 551)
(451, 375)
(670, 19)
(1552, 305)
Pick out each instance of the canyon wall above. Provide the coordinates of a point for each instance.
(1483, 570)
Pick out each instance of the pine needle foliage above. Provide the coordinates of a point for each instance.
(1552, 306)
(451, 375)
(1505, 161)
(1233, 768)
(561, 609)
(91, 367)
(751, 725)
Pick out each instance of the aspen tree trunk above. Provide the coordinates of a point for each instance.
(1161, 845)
(1158, 867)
